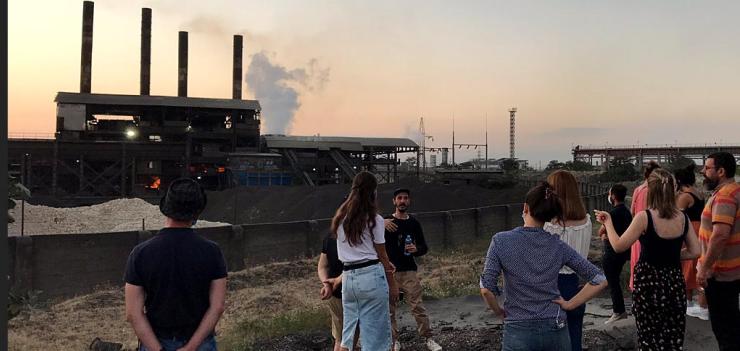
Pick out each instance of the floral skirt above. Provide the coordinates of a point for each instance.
(659, 307)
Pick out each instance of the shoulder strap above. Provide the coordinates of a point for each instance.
(650, 226)
(685, 225)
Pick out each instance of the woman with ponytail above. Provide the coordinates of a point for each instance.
(534, 312)
(659, 290)
(367, 278)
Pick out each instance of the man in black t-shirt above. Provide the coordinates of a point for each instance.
(330, 274)
(176, 282)
(613, 262)
(404, 240)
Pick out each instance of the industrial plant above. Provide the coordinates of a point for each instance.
(113, 145)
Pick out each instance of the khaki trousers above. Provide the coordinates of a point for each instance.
(409, 283)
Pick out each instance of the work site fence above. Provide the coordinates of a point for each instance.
(72, 264)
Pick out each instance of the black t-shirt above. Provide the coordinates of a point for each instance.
(329, 247)
(395, 243)
(621, 219)
(175, 268)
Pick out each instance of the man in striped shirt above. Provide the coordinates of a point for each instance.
(718, 270)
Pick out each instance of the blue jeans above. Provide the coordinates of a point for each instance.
(568, 286)
(172, 344)
(535, 335)
(365, 302)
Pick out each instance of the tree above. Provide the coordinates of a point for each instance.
(510, 164)
(16, 191)
(554, 165)
(620, 170)
(579, 166)
(679, 162)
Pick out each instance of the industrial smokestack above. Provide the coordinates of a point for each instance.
(182, 65)
(146, 50)
(237, 78)
(88, 8)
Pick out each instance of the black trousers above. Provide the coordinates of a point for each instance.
(724, 313)
(612, 263)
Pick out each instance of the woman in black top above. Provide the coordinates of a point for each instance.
(659, 296)
(691, 202)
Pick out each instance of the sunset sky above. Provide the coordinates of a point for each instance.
(579, 72)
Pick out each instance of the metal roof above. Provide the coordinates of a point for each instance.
(151, 100)
(343, 143)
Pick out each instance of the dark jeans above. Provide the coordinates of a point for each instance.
(724, 313)
(172, 344)
(612, 264)
(535, 335)
(568, 286)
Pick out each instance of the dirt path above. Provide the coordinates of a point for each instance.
(450, 316)
(463, 324)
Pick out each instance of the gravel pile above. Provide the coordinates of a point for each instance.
(118, 215)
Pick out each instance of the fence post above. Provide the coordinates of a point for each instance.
(23, 267)
(312, 237)
(478, 222)
(507, 217)
(236, 249)
(448, 230)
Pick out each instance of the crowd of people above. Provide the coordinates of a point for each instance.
(679, 245)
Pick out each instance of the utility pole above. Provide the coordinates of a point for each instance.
(486, 163)
(453, 139)
(424, 138)
(512, 134)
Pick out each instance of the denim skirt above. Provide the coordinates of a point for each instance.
(365, 302)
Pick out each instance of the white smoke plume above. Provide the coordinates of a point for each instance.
(278, 89)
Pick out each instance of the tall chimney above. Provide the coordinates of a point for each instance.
(146, 50)
(237, 78)
(182, 65)
(88, 8)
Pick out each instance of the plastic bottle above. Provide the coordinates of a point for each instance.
(407, 241)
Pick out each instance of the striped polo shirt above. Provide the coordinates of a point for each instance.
(723, 207)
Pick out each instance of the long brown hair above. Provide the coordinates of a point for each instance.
(566, 186)
(359, 210)
(661, 194)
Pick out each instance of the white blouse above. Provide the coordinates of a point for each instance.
(578, 237)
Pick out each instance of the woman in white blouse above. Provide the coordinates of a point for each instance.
(575, 230)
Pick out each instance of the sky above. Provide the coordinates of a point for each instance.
(579, 72)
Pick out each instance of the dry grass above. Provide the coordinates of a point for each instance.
(262, 302)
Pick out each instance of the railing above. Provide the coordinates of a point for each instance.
(652, 146)
(31, 136)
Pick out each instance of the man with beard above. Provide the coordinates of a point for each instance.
(404, 240)
(718, 269)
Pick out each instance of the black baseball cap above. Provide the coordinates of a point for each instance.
(184, 200)
(401, 190)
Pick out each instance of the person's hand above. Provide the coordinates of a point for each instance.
(410, 248)
(389, 225)
(326, 290)
(702, 274)
(335, 283)
(187, 348)
(391, 268)
(394, 295)
(602, 233)
(602, 217)
(500, 312)
(564, 304)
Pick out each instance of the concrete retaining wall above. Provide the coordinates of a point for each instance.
(71, 264)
